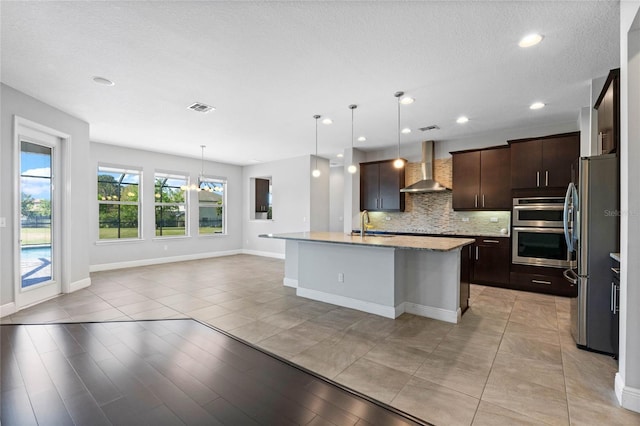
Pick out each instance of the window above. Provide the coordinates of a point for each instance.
(171, 206)
(211, 205)
(118, 203)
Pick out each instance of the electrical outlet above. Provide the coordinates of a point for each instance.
(387, 218)
(494, 219)
(340, 277)
(465, 219)
(166, 247)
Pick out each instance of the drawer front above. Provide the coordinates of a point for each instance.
(550, 284)
(500, 243)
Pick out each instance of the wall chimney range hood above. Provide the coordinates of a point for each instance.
(427, 183)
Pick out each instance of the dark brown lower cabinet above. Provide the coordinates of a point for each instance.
(541, 280)
(491, 261)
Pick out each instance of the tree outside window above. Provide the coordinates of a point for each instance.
(170, 204)
(118, 203)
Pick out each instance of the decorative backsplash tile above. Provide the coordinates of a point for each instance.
(432, 212)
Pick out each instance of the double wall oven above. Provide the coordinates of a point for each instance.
(538, 233)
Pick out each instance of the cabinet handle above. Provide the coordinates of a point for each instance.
(381, 202)
(615, 270)
(541, 282)
(546, 178)
(376, 203)
(491, 241)
(482, 200)
(476, 252)
(616, 307)
(476, 202)
(538, 179)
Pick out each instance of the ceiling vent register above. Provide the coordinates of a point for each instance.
(200, 107)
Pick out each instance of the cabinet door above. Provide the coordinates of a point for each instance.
(558, 155)
(491, 261)
(526, 161)
(495, 185)
(391, 181)
(369, 186)
(466, 180)
(262, 195)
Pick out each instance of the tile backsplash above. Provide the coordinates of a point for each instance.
(432, 212)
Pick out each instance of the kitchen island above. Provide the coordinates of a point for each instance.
(381, 274)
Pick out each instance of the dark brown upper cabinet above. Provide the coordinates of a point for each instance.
(545, 162)
(481, 179)
(608, 107)
(262, 195)
(380, 185)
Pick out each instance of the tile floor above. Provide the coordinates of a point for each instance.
(511, 360)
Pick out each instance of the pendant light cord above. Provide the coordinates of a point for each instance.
(399, 126)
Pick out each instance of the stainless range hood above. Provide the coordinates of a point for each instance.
(427, 184)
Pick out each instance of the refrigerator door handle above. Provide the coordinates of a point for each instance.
(568, 210)
(570, 276)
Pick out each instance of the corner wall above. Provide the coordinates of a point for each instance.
(77, 187)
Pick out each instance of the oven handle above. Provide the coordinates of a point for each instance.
(534, 207)
(539, 230)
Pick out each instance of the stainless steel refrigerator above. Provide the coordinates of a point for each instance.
(592, 229)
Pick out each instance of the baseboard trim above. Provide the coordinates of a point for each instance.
(628, 397)
(7, 309)
(79, 285)
(264, 253)
(157, 261)
(347, 302)
(290, 282)
(431, 312)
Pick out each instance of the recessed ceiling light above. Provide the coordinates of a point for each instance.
(327, 121)
(406, 130)
(462, 119)
(103, 81)
(200, 107)
(407, 100)
(362, 139)
(340, 155)
(536, 105)
(530, 40)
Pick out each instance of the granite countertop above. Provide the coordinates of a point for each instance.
(615, 256)
(381, 240)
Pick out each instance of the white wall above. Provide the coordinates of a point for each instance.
(107, 255)
(627, 382)
(77, 188)
(336, 198)
(291, 183)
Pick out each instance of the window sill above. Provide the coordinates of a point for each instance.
(119, 241)
(171, 237)
(261, 220)
(212, 235)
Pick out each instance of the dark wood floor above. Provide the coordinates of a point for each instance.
(168, 372)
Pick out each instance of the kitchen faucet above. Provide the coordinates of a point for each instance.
(363, 225)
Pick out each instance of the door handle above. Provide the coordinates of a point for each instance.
(538, 179)
(612, 300)
(572, 279)
(546, 178)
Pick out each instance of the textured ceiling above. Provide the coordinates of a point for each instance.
(268, 67)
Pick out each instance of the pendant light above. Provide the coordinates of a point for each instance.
(399, 162)
(352, 167)
(201, 180)
(316, 172)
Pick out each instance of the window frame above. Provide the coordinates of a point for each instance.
(124, 170)
(214, 180)
(184, 204)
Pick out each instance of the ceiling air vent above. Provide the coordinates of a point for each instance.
(432, 127)
(200, 107)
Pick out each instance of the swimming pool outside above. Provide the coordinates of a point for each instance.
(35, 264)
